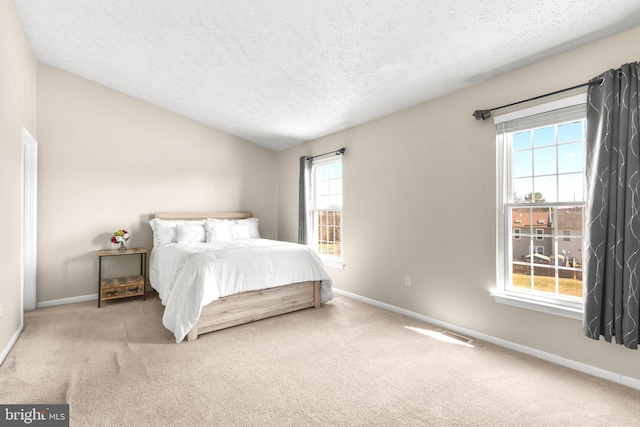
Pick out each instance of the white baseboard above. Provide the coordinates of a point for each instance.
(549, 357)
(9, 346)
(67, 300)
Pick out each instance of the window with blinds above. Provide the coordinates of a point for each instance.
(542, 196)
(327, 209)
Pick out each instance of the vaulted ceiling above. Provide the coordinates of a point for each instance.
(281, 72)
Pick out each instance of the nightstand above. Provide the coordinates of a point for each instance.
(122, 287)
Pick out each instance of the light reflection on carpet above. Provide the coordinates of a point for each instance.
(445, 336)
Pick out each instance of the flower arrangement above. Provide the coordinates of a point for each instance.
(121, 237)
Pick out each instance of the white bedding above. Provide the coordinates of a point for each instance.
(190, 276)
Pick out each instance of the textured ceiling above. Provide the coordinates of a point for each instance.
(281, 72)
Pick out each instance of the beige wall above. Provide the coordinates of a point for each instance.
(107, 161)
(420, 200)
(17, 109)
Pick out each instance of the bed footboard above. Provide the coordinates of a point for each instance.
(249, 306)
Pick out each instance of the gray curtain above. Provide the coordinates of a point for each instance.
(304, 201)
(612, 258)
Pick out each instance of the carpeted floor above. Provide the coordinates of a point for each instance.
(345, 364)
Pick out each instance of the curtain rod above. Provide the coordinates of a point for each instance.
(339, 152)
(485, 114)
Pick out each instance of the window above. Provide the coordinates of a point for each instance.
(542, 188)
(327, 210)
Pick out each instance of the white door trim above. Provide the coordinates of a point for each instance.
(29, 219)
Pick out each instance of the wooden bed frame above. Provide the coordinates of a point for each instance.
(248, 306)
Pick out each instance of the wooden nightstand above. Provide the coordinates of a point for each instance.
(122, 287)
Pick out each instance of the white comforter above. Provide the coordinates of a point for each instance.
(190, 276)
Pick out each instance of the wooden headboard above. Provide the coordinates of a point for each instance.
(194, 216)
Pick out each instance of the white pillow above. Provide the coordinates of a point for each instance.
(190, 233)
(164, 231)
(252, 225)
(217, 230)
(239, 231)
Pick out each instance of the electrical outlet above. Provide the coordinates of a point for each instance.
(407, 281)
(0, 310)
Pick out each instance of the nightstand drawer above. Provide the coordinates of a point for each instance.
(120, 287)
(108, 292)
(131, 290)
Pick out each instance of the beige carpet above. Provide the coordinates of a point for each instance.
(345, 364)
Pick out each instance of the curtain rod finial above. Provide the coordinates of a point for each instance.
(341, 151)
(482, 114)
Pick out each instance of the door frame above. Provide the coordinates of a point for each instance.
(29, 219)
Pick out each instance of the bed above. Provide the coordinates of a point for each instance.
(214, 271)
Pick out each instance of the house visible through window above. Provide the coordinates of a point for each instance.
(542, 190)
(327, 209)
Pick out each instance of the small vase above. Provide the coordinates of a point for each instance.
(123, 246)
